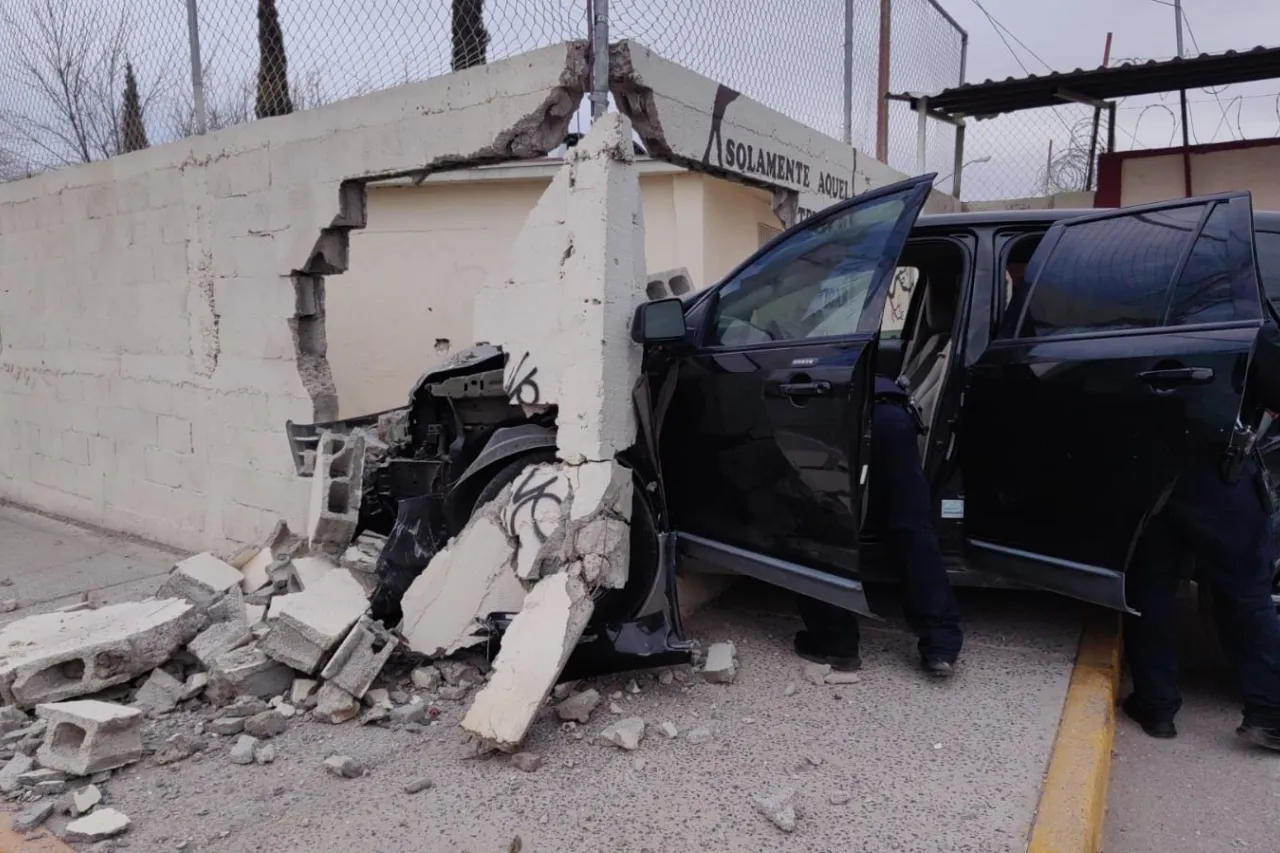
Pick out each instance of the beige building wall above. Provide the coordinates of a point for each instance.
(407, 298)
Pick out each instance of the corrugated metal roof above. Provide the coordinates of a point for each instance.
(994, 97)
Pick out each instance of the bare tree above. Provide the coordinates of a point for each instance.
(469, 37)
(273, 66)
(70, 64)
(133, 131)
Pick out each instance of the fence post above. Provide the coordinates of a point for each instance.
(197, 68)
(848, 72)
(882, 81)
(599, 58)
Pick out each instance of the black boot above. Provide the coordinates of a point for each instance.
(1258, 736)
(838, 659)
(1163, 729)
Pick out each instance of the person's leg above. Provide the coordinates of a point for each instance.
(830, 636)
(901, 502)
(1150, 647)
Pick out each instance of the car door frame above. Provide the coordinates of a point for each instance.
(1099, 584)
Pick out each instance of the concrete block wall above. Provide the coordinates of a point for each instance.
(161, 312)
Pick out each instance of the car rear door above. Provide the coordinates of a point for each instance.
(1124, 351)
(764, 445)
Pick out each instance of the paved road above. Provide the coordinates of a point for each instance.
(1206, 791)
(928, 767)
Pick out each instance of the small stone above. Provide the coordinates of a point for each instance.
(526, 761)
(264, 753)
(376, 714)
(245, 706)
(8, 605)
(639, 764)
(242, 752)
(378, 696)
(335, 705)
(286, 710)
(177, 748)
(615, 708)
(33, 816)
(839, 798)
(103, 823)
(778, 807)
(633, 686)
(84, 800)
(625, 734)
(815, 760)
(816, 673)
(418, 786)
(842, 678)
(579, 706)
(563, 690)
(426, 678)
(456, 672)
(301, 689)
(698, 735)
(454, 692)
(410, 714)
(790, 689)
(722, 664)
(665, 677)
(267, 724)
(14, 770)
(225, 726)
(399, 697)
(937, 746)
(344, 766)
(837, 696)
(160, 692)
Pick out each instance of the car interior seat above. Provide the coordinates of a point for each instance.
(929, 351)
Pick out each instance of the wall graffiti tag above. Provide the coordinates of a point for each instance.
(526, 498)
(519, 384)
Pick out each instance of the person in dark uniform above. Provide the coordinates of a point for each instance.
(1219, 510)
(900, 508)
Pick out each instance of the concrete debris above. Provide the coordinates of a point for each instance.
(457, 672)
(378, 697)
(201, 580)
(12, 719)
(639, 764)
(336, 489)
(228, 608)
(454, 692)
(526, 761)
(842, 678)
(286, 710)
(615, 708)
(179, 747)
(160, 692)
(195, 683)
(33, 816)
(426, 678)
(242, 752)
(632, 686)
(335, 705)
(88, 736)
(625, 734)
(13, 769)
(255, 569)
(41, 776)
(418, 786)
(264, 753)
(669, 729)
(839, 798)
(225, 726)
(778, 807)
(790, 689)
(245, 706)
(84, 800)
(397, 697)
(415, 712)
(344, 766)
(265, 725)
(247, 671)
(579, 706)
(617, 694)
(218, 639)
(360, 657)
(376, 714)
(301, 689)
(308, 571)
(103, 823)
(307, 625)
(816, 673)
(563, 690)
(814, 759)
(8, 605)
(666, 677)
(362, 556)
(55, 656)
(722, 665)
(700, 735)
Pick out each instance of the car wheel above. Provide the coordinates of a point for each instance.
(612, 605)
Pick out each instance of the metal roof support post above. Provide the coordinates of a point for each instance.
(922, 134)
(959, 162)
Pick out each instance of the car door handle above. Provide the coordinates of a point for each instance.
(805, 389)
(1172, 376)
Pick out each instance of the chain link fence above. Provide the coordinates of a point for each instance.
(927, 56)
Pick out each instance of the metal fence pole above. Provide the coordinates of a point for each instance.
(599, 58)
(197, 66)
(882, 81)
(848, 72)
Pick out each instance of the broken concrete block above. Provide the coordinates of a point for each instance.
(454, 692)
(669, 729)
(268, 724)
(344, 766)
(194, 684)
(722, 665)
(307, 625)
(336, 489)
(103, 823)
(226, 726)
(177, 748)
(33, 816)
(12, 719)
(534, 650)
(301, 689)
(376, 714)
(218, 639)
(254, 570)
(361, 656)
(15, 767)
(160, 692)
(242, 752)
(426, 678)
(379, 697)
(309, 571)
(247, 672)
(84, 800)
(201, 580)
(228, 608)
(88, 736)
(816, 673)
(625, 734)
(335, 705)
(245, 706)
(778, 807)
(56, 656)
(579, 706)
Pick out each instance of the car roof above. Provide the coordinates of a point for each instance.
(1262, 219)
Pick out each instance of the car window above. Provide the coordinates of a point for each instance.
(899, 300)
(814, 284)
(1109, 274)
(1268, 243)
(1203, 292)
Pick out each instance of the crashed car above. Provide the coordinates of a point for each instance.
(1061, 362)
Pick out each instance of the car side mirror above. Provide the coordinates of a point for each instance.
(659, 321)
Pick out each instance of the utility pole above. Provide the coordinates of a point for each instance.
(1177, 19)
(1182, 100)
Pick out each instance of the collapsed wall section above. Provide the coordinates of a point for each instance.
(162, 311)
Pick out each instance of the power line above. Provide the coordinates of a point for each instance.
(999, 27)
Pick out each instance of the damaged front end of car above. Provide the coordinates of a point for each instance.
(431, 464)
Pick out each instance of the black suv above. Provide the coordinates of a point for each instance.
(1062, 362)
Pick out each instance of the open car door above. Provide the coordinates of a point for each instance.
(1125, 350)
(764, 446)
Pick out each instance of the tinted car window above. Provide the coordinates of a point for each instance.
(1268, 243)
(814, 284)
(1109, 274)
(1203, 292)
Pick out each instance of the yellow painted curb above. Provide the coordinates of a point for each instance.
(39, 841)
(1074, 800)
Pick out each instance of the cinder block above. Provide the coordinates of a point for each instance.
(54, 656)
(88, 736)
(201, 580)
(336, 489)
(247, 672)
(306, 626)
(360, 658)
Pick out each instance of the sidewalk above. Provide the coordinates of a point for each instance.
(925, 766)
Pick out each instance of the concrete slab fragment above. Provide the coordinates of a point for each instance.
(360, 657)
(218, 639)
(57, 656)
(201, 580)
(247, 672)
(103, 823)
(160, 692)
(86, 736)
(306, 626)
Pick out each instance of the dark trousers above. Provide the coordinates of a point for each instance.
(900, 508)
(1227, 529)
